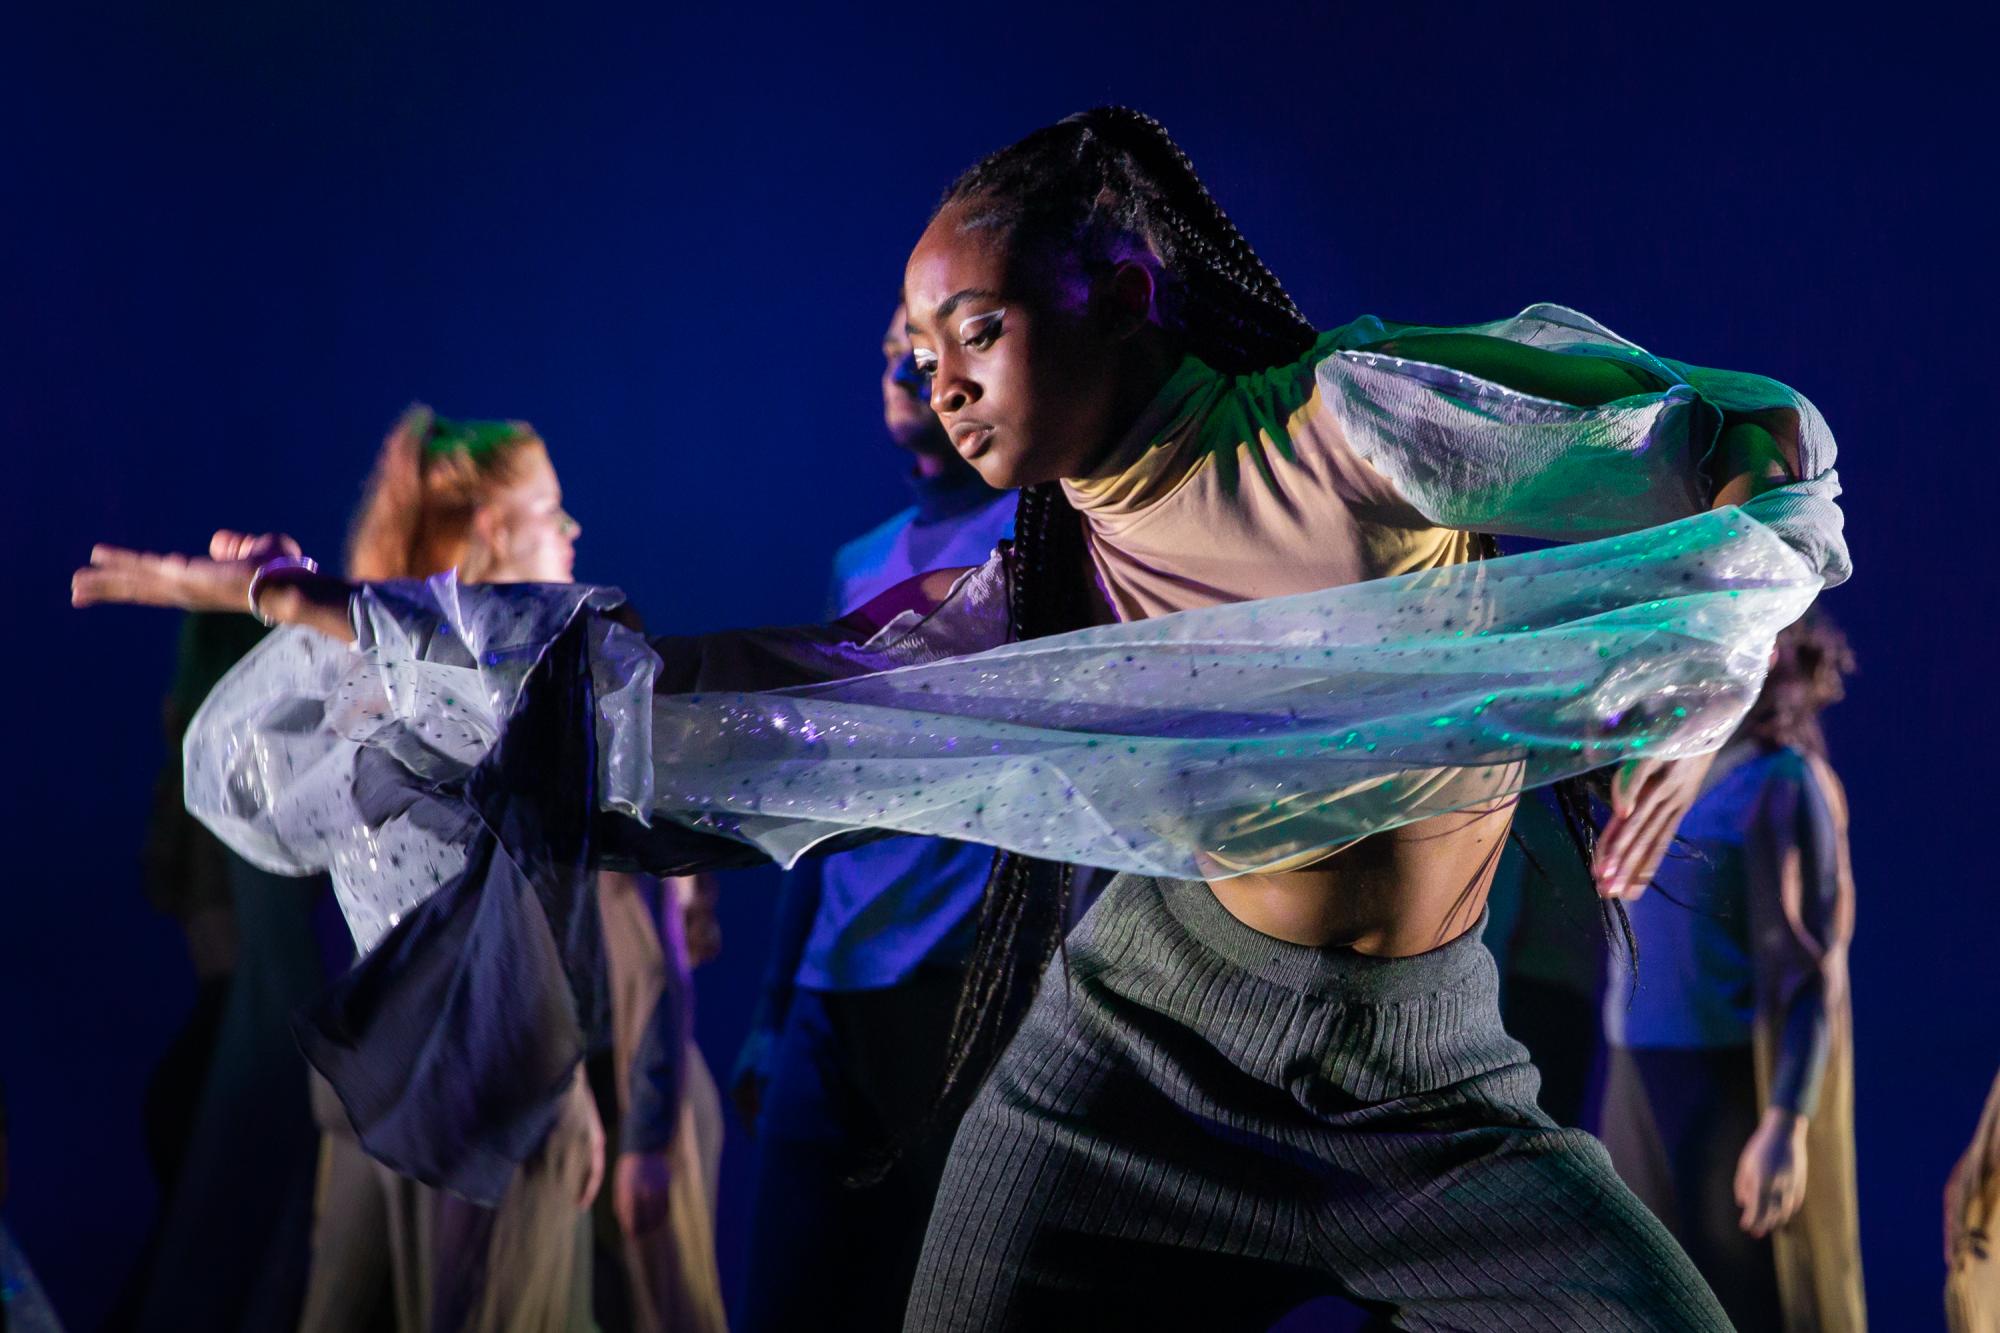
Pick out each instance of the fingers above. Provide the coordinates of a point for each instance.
(639, 1193)
(593, 1176)
(1614, 842)
(1636, 855)
(1768, 1203)
(1766, 1212)
(1789, 1200)
(1753, 1195)
(1633, 775)
(116, 576)
(1773, 1210)
(116, 557)
(1635, 839)
(230, 545)
(91, 587)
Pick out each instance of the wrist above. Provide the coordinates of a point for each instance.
(274, 595)
(279, 603)
(1784, 1120)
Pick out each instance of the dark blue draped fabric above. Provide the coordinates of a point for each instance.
(452, 1044)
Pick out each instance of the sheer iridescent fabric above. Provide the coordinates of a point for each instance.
(1207, 743)
(1235, 738)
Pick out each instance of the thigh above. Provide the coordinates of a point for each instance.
(1079, 1194)
(1505, 1226)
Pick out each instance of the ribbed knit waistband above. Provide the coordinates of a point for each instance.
(1340, 973)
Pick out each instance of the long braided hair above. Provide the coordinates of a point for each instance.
(1098, 188)
(1105, 186)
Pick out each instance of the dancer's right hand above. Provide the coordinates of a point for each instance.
(218, 582)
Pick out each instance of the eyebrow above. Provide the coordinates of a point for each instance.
(953, 302)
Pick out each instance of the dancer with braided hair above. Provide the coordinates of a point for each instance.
(1272, 1072)
(1260, 1088)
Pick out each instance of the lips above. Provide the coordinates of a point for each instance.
(971, 438)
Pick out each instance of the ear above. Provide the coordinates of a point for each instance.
(1126, 298)
(489, 528)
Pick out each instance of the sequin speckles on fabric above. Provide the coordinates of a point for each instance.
(1201, 744)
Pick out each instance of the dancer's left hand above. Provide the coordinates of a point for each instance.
(1648, 799)
(1771, 1173)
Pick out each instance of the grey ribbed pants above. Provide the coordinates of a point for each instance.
(1203, 1127)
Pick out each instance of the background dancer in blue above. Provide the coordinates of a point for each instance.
(851, 1030)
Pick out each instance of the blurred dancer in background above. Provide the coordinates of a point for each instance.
(483, 498)
(849, 1040)
(1729, 1106)
(655, 1225)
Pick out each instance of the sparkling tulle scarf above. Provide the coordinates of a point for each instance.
(1203, 744)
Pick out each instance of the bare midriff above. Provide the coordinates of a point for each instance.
(1392, 895)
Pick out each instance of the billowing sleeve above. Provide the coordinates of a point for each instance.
(1467, 452)
(312, 755)
(462, 770)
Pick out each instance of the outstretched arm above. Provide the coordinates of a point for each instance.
(219, 581)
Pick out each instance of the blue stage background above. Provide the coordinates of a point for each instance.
(237, 239)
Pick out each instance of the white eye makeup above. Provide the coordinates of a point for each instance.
(976, 331)
(979, 330)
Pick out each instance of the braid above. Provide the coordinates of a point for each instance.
(1025, 906)
(1242, 313)
(1109, 184)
